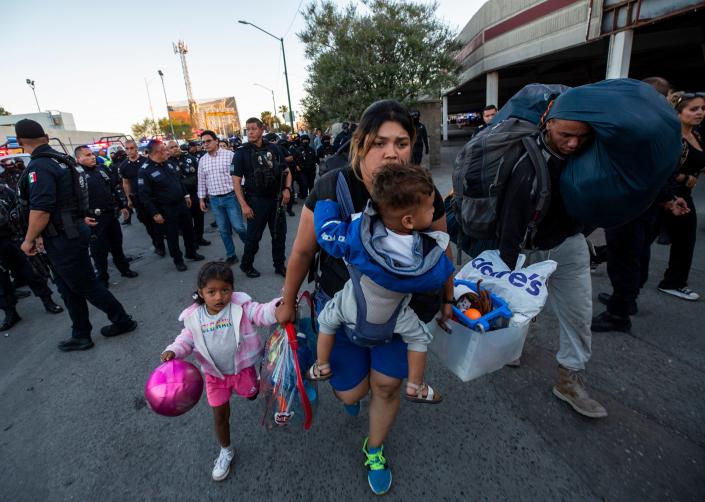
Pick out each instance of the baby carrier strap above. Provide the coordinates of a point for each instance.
(344, 197)
(365, 333)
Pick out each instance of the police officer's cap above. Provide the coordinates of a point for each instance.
(29, 129)
(415, 114)
(304, 137)
(193, 143)
(271, 137)
(184, 147)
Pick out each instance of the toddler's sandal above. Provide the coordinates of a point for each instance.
(315, 372)
(431, 396)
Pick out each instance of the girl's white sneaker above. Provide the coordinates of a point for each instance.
(221, 469)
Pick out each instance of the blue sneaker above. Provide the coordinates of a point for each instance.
(379, 474)
(352, 409)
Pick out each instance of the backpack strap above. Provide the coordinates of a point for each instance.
(543, 185)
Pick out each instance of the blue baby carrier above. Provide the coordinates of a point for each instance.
(366, 333)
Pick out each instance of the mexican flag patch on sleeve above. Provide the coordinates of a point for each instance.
(32, 177)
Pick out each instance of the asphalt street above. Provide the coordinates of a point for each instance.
(75, 426)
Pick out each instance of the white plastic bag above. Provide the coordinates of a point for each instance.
(524, 289)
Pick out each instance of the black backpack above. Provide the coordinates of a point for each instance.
(482, 169)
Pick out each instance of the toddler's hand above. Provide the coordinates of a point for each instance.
(168, 356)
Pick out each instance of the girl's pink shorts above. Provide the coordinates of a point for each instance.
(244, 384)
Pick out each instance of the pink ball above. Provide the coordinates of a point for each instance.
(173, 388)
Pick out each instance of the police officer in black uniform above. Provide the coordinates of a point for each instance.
(325, 149)
(55, 195)
(168, 203)
(105, 198)
(306, 162)
(287, 149)
(187, 167)
(129, 170)
(194, 148)
(267, 190)
(343, 136)
(421, 139)
(13, 261)
(11, 172)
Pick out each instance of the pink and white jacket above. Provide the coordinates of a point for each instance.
(246, 315)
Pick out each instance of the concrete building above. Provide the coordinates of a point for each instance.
(510, 43)
(56, 124)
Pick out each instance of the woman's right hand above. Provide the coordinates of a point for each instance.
(285, 313)
(167, 355)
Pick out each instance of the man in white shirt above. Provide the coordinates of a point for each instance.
(216, 185)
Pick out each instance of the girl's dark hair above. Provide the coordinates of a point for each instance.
(372, 118)
(218, 270)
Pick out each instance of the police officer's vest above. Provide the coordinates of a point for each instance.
(268, 170)
(106, 178)
(77, 205)
(8, 214)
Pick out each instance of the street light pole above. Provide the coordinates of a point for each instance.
(30, 83)
(274, 104)
(166, 100)
(149, 99)
(286, 73)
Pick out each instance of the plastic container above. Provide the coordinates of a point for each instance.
(494, 319)
(470, 354)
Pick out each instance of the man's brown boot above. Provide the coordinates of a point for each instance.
(571, 389)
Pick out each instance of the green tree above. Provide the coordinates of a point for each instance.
(388, 49)
(4, 112)
(182, 129)
(146, 129)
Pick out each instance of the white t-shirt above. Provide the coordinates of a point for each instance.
(400, 248)
(219, 335)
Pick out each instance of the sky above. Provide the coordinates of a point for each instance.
(92, 58)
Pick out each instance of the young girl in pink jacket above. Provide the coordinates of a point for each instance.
(220, 328)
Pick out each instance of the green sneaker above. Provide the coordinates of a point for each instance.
(379, 474)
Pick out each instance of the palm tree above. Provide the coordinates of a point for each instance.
(268, 119)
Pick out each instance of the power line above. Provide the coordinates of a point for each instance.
(294, 19)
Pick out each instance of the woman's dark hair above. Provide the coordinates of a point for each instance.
(372, 118)
(218, 270)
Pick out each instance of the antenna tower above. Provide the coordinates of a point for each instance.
(181, 49)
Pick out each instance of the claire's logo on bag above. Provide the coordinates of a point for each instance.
(516, 279)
